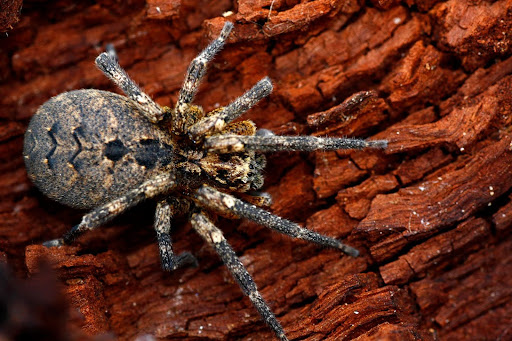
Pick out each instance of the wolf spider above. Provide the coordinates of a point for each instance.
(188, 160)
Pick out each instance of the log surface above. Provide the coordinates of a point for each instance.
(431, 215)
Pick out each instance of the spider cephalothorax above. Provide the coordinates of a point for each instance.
(98, 150)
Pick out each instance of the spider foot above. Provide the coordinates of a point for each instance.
(54, 242)
(349, 250)
(170, 262)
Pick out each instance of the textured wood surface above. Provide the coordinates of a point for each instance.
(432, 214)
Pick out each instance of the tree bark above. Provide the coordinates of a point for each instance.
(431, 214)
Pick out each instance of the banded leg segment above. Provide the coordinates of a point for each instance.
(216, 122)
(272, 143)
(158, 185)
(210, 198)
(107, 63)
(215, 238)
(195, 73)
(164, 212)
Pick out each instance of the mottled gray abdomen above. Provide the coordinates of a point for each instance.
(86, 147)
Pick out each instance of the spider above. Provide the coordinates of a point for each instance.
(101, 151)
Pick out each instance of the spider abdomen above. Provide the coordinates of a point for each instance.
(86, 147)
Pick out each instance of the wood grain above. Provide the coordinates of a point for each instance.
(432, 214)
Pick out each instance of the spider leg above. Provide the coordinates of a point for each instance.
(111, 51)
(158, 185)
(107, 63)
(210, 198)
(216, 122)
(164, 212)
(195, 73)
(215, 238)
(272, 143)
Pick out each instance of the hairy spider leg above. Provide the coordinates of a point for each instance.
(158, 185)
(272, 143)
(213, 236)
(163, 214)
(217, 201)
(107, 63)
(195, 73)
(216, 122)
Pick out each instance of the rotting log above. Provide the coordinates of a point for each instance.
(432, 214)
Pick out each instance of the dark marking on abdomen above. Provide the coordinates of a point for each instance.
(150, 151)
(53, 130)
(76, 132)
(115, 150)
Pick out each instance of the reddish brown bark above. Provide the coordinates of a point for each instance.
(432, 214)
(9, 14)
